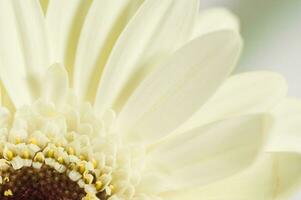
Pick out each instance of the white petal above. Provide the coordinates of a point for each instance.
(273, 177)
(103, 24)
(64, 20)
(171, 94)
(208, 153)
(23, 49)
(56, 84)
(1, 95)
(157, 30)
(246, 93)
(32, 35)
(5, 99)
(216, 19)
(287, 127)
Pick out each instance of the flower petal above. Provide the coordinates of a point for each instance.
(274, 177)
(103, 24)
(64, 21)
(287, 129)
(245, 93)
(5, 100)
(156, 31)
(23, 49)
(215, 19)
(56, 84)
(208, 153)
(171, 94)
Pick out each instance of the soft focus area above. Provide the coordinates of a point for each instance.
(272, 35)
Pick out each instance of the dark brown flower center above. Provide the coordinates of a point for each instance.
(45, 183)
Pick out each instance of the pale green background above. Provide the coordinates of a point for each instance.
(272, 33)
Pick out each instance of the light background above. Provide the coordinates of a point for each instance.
(272, 38)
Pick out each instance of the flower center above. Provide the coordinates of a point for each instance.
(65, 152)
(39, 184)
(30, 173)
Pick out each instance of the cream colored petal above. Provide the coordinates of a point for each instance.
(56, 84)
(64, 21)
(23, 49)
(156, 31)
(5, 99)
(275, 176)
(215, 19)
(171, 94)
(1, 95)
(207, 153)
(103, 24)
(287, 128)
(32, 35)
(245, 93)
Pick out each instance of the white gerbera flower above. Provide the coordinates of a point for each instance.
(132, 105)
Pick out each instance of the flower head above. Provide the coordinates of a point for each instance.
(124, 100)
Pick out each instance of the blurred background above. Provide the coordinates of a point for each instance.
(272, 36)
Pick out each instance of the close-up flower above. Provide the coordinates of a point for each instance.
(136, 100)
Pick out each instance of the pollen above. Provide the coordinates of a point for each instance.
(6, 179)
(25, 155)
(50, 153)
(9, 155)
(33, 141)
(98, 185)
(39, 157)
(60, 160)
(8, 193)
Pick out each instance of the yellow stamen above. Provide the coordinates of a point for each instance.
(50, 153)
(98, 185)
(33, 141)
(82, 157)
(73, 166)
(39, 157)
(61, 160)
(6, 179)
(8, 193)
(9, 155)
(88, 178)
(25, 155)
(81, 167)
